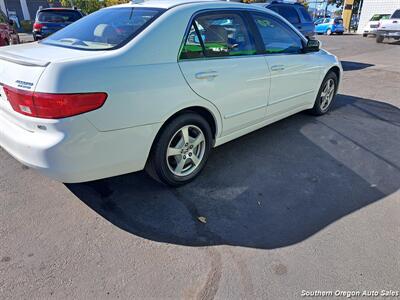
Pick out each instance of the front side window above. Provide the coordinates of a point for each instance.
(276, 36)
(105, 29)
(218, 34)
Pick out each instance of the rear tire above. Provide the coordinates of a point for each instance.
(326, 95)
(365, 35)
(180, 150)
(379, 39)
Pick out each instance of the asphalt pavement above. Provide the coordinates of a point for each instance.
(302, 205)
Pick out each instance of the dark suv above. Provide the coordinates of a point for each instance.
(296, 14)
(8, 35)
(50, 20)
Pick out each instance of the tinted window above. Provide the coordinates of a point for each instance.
(104, 29)
(396, 14)
(222, 34)
(305, 14)
(288, 12)
(277, 37)
(59, 16)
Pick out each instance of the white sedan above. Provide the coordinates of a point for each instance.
(156, 86)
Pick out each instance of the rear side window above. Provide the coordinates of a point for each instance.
(305, 14)
(105, 29)
(193, 47)
(218, 34)
(277, 37)
(396, 14)
(288, 12)
(58, 16)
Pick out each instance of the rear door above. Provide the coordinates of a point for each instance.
(295, 75)
(220, 64)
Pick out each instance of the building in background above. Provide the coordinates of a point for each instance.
(19, 10)
(372, 7)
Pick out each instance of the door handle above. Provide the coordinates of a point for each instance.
(278, 68)
(206, 75)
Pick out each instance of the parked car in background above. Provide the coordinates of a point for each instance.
(373, 24)
(295, 13)
(8, 35)
(102, 98)
(329, 26)
(50, 20)
(389, 28)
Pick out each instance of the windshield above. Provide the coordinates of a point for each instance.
(58, 16)
(104, 29)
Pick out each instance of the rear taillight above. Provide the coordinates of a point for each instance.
(53, 106)
(37, 26)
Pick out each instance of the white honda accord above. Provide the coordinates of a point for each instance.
(156, 86)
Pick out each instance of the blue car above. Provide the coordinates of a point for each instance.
(329, 26)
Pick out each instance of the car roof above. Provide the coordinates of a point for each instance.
(58, 9)
(167, 4)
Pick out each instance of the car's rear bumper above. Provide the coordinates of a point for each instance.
(73, 150)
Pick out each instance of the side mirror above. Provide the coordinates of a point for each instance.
(11, 22)
(312, 46)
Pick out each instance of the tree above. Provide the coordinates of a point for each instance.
(89, 6)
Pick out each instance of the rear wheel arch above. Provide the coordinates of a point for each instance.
(200, 110)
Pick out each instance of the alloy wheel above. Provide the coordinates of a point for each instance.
(186, 150)
(327, 94)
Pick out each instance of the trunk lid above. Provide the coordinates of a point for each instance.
(21, 67)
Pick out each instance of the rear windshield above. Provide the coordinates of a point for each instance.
(338, 21)
(58, 16)
(379, 17)
(104, 29)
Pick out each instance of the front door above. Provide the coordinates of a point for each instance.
(295, 75)
(220, 64)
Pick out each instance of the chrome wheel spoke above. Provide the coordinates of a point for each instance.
(195, 159)
(173, 151)
(198, 140)
(180, 166)
(185, 134)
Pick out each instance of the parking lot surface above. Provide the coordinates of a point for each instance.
(301, 205)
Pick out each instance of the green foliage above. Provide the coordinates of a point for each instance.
(89, 6)
(26, 26)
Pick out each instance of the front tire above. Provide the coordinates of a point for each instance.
(365, 35)
(181, 150)
(329, 32)
(326, 95)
